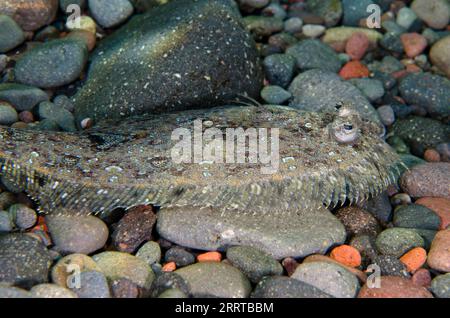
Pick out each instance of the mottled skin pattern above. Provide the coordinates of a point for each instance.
(127, 163)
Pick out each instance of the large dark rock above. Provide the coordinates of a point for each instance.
(186, 54)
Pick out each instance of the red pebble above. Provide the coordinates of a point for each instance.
(413, 43)
(432, 155)
(354, 69)
(357, 45)
(422, 277)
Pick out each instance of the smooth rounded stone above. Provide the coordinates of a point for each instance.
(275, 10)
(60, 115)
(67, 57)
(124, 288)
(297, 234)
(421, 133)
(280, 69)
(6, 224)
(394, 287)
(134, 228)
(261, 26)
(116, 265)
(406, 17)
(51, 291)
(30, 14)
(427, 90)
(11, 35)
(168, 281)
(354, 11)
(427, 180)
(435, 13)
(22, 97)
(390, 266)
(92, 284)
(254, 4)
(150, 252)
(293, 25)
(110, 13)
(313, 30)
(286, 287)
(439, 55)
(63, 4)
(329, 10)
(330, 278)
(77, 234)
(4, 59)
(22, 216)
(318, 90)
(357, 221)
(65, 270)
(439, 255)
(24, 261)
(314, 54)
(440, 286)
(338, 36)
(444, 151)
(380, 207)
(8, 115)
(387, 115)
(180, 256)
(45, 125)
(371, 88)
(173, 293)
(142, 62)
(416, 216)
(440, 206)
(13, 292)
(64, 102)
(212, 279)
(275, 95)
(397, 241)
(254, 263)
(392, 27)
(390, 64)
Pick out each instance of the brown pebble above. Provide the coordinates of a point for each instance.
(422, 277)
(440, 206)
(124, 288)
(432, 155)
(439, 255)
(290, 265)
(394, 287)
(26, 116)
(427, 180)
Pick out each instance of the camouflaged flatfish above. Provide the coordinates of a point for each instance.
(323, 157)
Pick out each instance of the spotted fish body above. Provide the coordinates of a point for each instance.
(128, 163)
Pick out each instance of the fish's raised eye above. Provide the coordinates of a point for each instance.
(344, 132)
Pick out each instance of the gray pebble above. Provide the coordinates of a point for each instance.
(22, 97)
(22, 216)
(11, 35)
(416, 216)
(280, 69)
(8, 115)
(398, 241)
(92, 284)
(387, 115)
(110, 13)
(150, 252)
(180, 256)
(286, 287)
(275, 95)
(440, 286)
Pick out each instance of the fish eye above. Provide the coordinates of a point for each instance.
(344, 132)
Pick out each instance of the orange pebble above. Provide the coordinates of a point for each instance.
(354, 69)
(209, 257)
(169, 267)
(432, 155)
(414, 259)
(347, 255)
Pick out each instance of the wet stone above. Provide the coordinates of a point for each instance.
(275, 95)
(110, 13)
(440, 286)
(285, 287)
(398, 241)
(92, 284)
(180, 256)
(280, 69)
(22, 97)
(391, 266)
(11, 35)
(416, 216)
(168, 281)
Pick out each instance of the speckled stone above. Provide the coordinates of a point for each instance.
(397, 241)
(92, 284)
(280, 69)
(354, 11)
(427, 180)
(110, 13)
(421, 133)
(22, 97)
(357, 221)
(285, 287)
(427, 90)
(330, 278)
(254, 263)
(275, 95)
(312, 54)
(24, 261)
(296, 235)
(167, 281)
(416, 216)
(52, 64)
(329, 10)
(13, 292)
(391, 266)
(372, 88)
(8, 115)
(150, 252)
(142, 62)
(435, 13)
(211, 279)
(395, 287)
(61, 116)
(318, 90)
